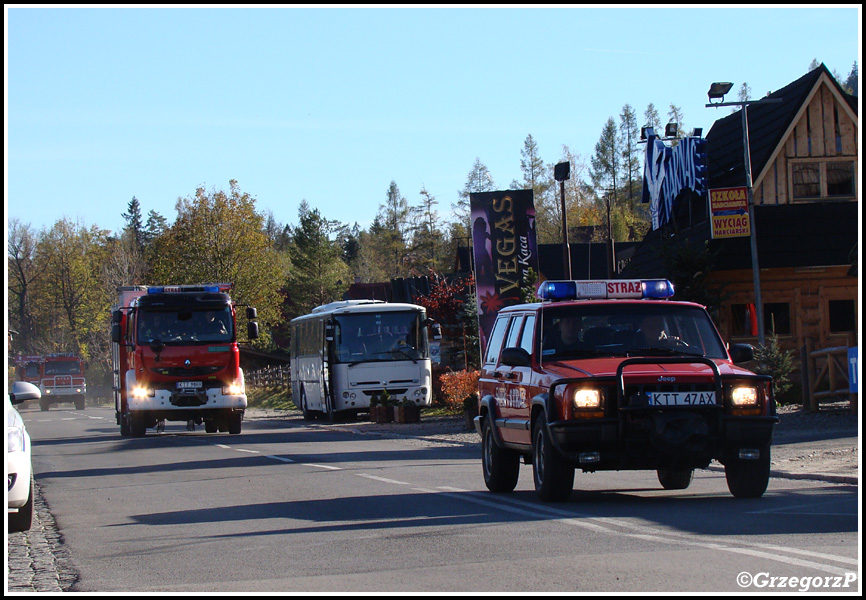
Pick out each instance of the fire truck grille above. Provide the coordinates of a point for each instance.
(186, 372)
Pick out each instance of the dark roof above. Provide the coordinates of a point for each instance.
(815, 234)
(767, 124)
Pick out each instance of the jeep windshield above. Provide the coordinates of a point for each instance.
(628, 329)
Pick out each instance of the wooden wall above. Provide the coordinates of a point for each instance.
(808, 291)
(812, 135)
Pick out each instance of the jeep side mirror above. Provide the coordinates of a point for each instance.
(741, 353)
(515, 357)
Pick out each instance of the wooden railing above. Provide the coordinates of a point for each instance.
(274, 376)
(828, 375)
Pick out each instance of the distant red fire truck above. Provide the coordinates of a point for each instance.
(62, 380)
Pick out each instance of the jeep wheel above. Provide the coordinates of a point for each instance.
(501, 466)
(749, 478)
(675, 479)
(554, 476)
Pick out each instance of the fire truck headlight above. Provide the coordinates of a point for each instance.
(233, 389)
(141, 392)
(744, 396)
(584, 399)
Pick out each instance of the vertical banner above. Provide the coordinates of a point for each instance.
(729, 212)
(504, 249)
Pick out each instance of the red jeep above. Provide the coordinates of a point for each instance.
(612, 375)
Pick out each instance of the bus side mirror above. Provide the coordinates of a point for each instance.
(435, 328)
(252, 330)
(329, 332)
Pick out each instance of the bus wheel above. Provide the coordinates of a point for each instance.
(308, 414)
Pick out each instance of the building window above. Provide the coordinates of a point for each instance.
(812, 180)
(840, 178)
(777, 319)
(807, 180)
(842, 317)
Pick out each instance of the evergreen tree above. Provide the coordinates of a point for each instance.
(319, 274)
(852, 81)
(478, 180)
(134, 224)
(630, 134)
(652, 119)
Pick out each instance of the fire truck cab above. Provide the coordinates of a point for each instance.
(613, 375)
(175, 357)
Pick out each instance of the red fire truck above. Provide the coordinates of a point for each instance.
(62, 380)
(28, 368)
(175, 357)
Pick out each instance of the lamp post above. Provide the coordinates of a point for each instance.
(561, 172)
(718, 91)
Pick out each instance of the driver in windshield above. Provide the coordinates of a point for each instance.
(565, 335)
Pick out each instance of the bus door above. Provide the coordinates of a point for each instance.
(327, 348)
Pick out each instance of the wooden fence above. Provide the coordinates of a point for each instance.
(827, 375)
(274, 376)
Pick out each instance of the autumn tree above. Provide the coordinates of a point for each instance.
(219, 237)
(23, 272)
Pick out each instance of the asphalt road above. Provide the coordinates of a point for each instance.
(294, 507)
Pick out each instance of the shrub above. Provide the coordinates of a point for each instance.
(457, 385)
(772, 360)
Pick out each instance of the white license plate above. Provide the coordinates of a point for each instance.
(682, 398)
(188, 385)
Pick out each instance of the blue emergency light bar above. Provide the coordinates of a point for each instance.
(173, 289)
(606, 289)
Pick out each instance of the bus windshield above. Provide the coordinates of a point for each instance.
(380, 336)
(212, 324)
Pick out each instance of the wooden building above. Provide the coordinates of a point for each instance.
(805, 168)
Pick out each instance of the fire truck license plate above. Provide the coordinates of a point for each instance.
(188, 385)
(682, 398)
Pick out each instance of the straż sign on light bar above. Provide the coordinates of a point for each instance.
(606, 289)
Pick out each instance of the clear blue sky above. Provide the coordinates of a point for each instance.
(332, 104)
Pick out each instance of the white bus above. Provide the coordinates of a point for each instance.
(344, 353)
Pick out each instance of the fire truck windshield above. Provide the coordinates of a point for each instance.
(185, 325)
(62, 367)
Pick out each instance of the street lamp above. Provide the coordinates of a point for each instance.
(561, 172)
(717, 92)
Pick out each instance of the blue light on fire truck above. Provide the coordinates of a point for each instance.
(168, 289)
(606, 289)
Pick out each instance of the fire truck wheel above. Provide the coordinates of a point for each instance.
(675, 479)
(554, 477)
(44, 404)
(501, 465)
(749, 478)
(79, 403)
(210, 426)
(235, 423)
(137, 426)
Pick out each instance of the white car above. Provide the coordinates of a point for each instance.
(19, 479)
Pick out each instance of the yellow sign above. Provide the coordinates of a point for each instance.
(729, 212)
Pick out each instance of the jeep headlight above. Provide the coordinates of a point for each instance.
(587, 399)
(743, 396)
